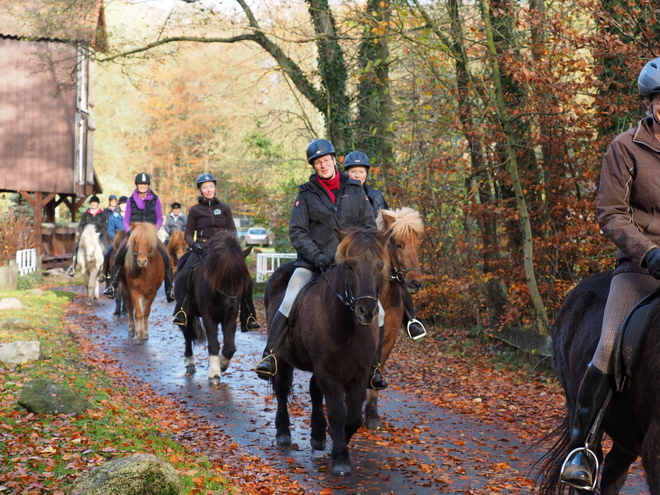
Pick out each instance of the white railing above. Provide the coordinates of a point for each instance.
(26, 259)
(267, 263)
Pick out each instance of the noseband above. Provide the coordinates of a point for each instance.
(348, 299)
(398, 273)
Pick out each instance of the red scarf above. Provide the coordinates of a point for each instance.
(94, 212)
(330, 185)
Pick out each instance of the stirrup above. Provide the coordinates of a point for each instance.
(589, 453)
(185, 318)
(373, 375)
(256, 323)
(416, 336)
(110, 292)
(265, 375)
(71, 271)
(101, 278)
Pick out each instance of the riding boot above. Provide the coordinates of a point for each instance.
(169, 291)
(580, 469)
(414, 327)
(71, 271)
(377, 380)
(111, 289)
(267, 367)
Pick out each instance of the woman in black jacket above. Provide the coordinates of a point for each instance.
(329, 200)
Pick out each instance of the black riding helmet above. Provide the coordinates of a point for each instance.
(142, 178)
(205, 178)
(356, 159)
(648, 81)
(318, 148)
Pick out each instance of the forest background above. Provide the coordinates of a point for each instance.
(490, 117)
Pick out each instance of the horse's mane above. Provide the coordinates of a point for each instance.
(358, 241)
(405, 223)
(142, 233)
(177, 240)
(225, 262)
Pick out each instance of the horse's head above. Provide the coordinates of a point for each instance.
(406, 228)
(90, 242)
(177, 245)
(226, 271)
(142, 243)
(360, 257)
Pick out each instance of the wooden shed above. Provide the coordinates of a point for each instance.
(46, 122)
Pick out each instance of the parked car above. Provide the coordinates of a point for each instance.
(258, 236)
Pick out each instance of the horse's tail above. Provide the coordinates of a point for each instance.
(200, 333)
(549, 466)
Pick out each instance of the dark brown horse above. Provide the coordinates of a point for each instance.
(334, 334)
(218, 284)
(120, 239)
(177, 247)
(142, 274)
(633, 415)
(404, 228)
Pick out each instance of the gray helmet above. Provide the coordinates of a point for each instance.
(318, 148)
(205, 178)
(648, 81)
(356, 159)
(142, 179)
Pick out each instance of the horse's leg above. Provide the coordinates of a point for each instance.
(139, 317)
(215, 369)
(86, 280)
(130, 310)
(319, 424)
(355, 395)
(190, 335)
(228, 340)
(146, 311)
(334, 400)
(615, 469)
(651, 457)
(371, 418)
(282, 386)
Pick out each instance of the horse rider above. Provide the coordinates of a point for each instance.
(357, 165)
(206, 219)
(175, 221)
(109, 210)
(93, 215)
(116, 224)
(142, 206)
(329, 200)
(628, 195)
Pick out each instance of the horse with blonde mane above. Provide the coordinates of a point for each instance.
(142, 275)
(404, 227)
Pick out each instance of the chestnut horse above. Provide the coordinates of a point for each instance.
(218, 284)
(404, 228)
(142, 274)
(120, 299)
(177, 247)
(90, 259)
(333, 332)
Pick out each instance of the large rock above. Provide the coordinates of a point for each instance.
(139, 474)
(35, 292)
(20, 351)
(44, 396)
(15, 324)
(10, 303)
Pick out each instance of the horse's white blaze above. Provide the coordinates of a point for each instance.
(214, 366)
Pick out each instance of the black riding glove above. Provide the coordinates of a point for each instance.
(653, 262)
(321, 262)
(198, 248)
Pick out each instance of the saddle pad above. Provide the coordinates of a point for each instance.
(630, 339)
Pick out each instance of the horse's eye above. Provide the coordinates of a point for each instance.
(398, 246)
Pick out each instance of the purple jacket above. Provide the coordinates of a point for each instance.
(141, 204)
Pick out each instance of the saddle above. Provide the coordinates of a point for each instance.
(630, 339)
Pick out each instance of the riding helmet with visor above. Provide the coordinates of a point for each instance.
(356, 159)
(648, 81)
(205, 178)
(142, 178)
(318, 148)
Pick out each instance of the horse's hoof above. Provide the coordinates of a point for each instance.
(341, 469)
(214, 381)
(284, 440)
(140, 341)
(373, 423)
(318, 444)
(115, 316)
(190, 369)
(89, 303)
(131, 334)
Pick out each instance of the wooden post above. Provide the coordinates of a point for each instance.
(37, 202)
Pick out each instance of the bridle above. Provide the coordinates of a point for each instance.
(348, 299)
(398, 273)
(202, 259)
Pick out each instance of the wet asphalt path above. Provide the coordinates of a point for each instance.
(451, 453)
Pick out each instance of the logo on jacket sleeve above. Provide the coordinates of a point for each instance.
(217, 211)
(297, 203)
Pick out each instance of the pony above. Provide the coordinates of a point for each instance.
(90, 259)
(142, 275)
(404, 227)
(176, 247)
(632, 419)
(218, 286)
(333, 332)
(120, 301)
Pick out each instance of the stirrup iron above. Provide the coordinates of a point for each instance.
(590, 454)
(264, 373)
(414, 320)
(185, 318)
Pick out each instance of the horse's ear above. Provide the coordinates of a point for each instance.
(247, 251)
(387, 217)
(340, 235)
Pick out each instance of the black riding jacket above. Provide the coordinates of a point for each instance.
(208, 218)
(314, 218)
(377, 199)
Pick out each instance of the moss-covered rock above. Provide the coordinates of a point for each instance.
(44, 396)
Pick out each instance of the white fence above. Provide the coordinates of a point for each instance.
(26, 259)
(267, 263)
